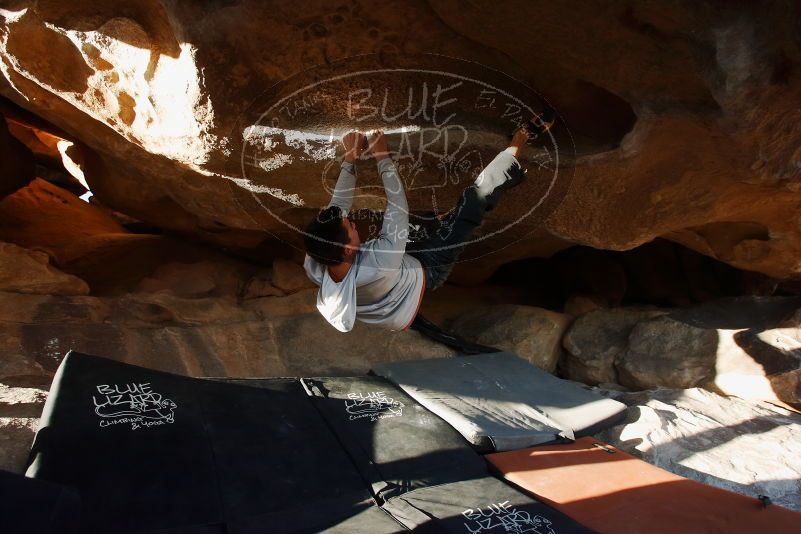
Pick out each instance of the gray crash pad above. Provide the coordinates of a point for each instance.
(501, 402)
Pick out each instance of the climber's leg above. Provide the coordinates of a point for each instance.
(439, 252)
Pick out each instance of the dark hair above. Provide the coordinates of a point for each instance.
(325, 237)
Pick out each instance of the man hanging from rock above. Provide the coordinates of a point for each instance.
(382, 281)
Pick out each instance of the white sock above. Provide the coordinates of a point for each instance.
(494, 174)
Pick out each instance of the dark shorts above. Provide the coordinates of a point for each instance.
(439, 251)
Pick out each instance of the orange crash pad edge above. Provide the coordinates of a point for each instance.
(613, 492)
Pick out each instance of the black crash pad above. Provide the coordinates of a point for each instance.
(336, 516)
(395, 443)
(36, 506)
(151, 451)
(479, 506)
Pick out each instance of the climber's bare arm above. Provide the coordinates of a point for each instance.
(519, 140)
(346, 183)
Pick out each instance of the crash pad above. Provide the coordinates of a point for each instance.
(611, 491)
(479, 506)
(333, 516)
(148, 450)
(36, 506)
(501, 402)
(396, 444)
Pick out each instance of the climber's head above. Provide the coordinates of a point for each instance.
(331, 238)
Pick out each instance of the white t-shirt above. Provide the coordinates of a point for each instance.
(384, 285)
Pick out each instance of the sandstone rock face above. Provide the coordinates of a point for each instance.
(200, 336)
(684, 117)
(749, 447)
(261, 286)
(532, 333)
(48, 217)
(290, 277)
(20, 409)
(20, 368)
(449, 302)
(17, 160)
(742, 346)
(16, 438)
(58, 160)
(577, 304)
(29, 271)
(88, 241)
(76, 235)
(196, 280)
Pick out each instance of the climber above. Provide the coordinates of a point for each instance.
(382, 281)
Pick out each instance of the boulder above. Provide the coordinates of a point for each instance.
(744, 346)
(596, 340)
(664, 352)
(749, 447)
(533, 333)
(29, 271)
